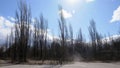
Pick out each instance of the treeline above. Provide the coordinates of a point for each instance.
(25, 43)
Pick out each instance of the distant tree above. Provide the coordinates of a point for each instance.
(22, 30)
(80, 36)
(95, 37)
(79, 45)
(40, 39)
(71, 45)
(63, 36)
(43, 37)
(25, 43)
(36, 39)
(1, 52)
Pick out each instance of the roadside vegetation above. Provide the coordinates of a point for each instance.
(25, 44)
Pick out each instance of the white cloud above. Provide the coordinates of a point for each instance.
(110, 38)
(33, 20)
(66, 14)
(73, 11)
(4, 23)
(5, 28)
(116, 15)
(11, 18)
(7, 24)
(88, 1)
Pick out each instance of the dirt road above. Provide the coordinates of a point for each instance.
(74, 65)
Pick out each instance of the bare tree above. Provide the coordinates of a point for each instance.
(71, 45)
(95, 37)
(40, 39)
(80, 36)
(22, 29)
(43, 37)
(79, 45)
(63, 35)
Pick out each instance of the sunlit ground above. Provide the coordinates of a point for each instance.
(75, 65)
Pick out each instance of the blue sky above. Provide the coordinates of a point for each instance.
(78, 13)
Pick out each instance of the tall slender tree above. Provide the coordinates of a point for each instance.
(22, 29)
(63, 35)
(95, 37)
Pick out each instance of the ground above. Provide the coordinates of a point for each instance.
(74, 65)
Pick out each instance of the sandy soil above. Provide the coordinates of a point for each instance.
(74, 65)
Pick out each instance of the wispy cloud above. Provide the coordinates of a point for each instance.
(11, 18)
(110, 38)
(33, 20)
(5, 28)
(116, 15)
(88, 1)
(5, 23)
(66, 14)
